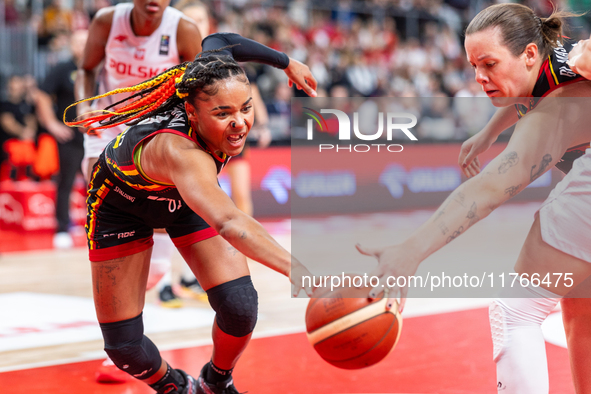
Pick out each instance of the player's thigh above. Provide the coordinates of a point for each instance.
(539, 258)
(214, 261)
(119, 286)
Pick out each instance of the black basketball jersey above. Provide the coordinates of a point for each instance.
(554, 73)
(123, 154)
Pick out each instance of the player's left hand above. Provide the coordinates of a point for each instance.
(393, 262)
(300, 75)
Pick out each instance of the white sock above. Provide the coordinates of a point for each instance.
(519, 346)
(160, 264)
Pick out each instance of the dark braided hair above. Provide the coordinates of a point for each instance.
(163, 92)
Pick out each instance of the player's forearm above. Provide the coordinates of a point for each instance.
(245, 50)
(465, 206)
(251, 239)
(502, 119)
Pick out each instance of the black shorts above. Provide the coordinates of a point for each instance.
(120, 220)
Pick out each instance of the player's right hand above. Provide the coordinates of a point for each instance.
(298, 271)
(393, 262)
(471, 148)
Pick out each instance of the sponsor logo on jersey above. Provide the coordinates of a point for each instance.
(126, 234)
(124, 195)
(164, 44)
(121, 38)
(140, 53)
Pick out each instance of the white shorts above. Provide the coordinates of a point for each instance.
(94, 145)
(565, 216)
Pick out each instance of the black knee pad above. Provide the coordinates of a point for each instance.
(236, 306)
(129, 349)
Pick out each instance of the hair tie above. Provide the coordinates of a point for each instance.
(177, 81)
(539, 20)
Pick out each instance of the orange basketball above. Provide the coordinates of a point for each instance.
(351, 331)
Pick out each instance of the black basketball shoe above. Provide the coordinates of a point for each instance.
(225, 387)
(189, 385)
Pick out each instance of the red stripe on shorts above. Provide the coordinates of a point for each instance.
(195, 237)
(126, 249)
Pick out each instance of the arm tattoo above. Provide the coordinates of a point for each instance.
(509, 160)
(546, 160)
(513, 190)
(456, 196)
(243, 235)
(232, 250)
(443, 228)
(455, 234)
(472, 215)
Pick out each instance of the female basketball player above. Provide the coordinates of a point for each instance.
(162, 173)
(516, 54)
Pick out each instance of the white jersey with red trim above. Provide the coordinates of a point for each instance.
(129, 60)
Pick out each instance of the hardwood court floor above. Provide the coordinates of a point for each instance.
(49, 342)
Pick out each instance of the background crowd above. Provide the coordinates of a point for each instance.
(375, 48)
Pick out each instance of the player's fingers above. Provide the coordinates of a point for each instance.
(310, 85)
(295, 290)
(290, 83)
(471, 171)
(367, 251)
(462, 157)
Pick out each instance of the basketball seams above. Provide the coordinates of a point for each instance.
(326, 331)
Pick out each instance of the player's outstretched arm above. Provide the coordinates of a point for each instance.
(539, 140)
(194, 174)
(468, 159)
(246, 50)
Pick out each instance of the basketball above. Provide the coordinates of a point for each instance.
(349, 330)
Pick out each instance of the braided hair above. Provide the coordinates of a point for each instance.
(163, 92)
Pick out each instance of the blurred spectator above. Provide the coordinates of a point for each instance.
(17, 123)
(80, 16)
(280, 112)
(57, 92)
(11, 14)
(55, 20)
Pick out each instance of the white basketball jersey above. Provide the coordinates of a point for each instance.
(130, 59)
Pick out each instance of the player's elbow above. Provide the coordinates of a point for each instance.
(493, 192)
(228, 225)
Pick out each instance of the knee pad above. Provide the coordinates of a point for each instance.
(129, 349)
(236, 306)
(518, 307)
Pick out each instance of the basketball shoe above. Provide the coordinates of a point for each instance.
(189, 385)
(225, 387)
(192, 289)
(109, 373)
(168, 299)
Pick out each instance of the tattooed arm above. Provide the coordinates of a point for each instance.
(479, 143)
(539, 140)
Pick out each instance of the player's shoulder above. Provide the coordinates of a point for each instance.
(105, 14)
(187, 25)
